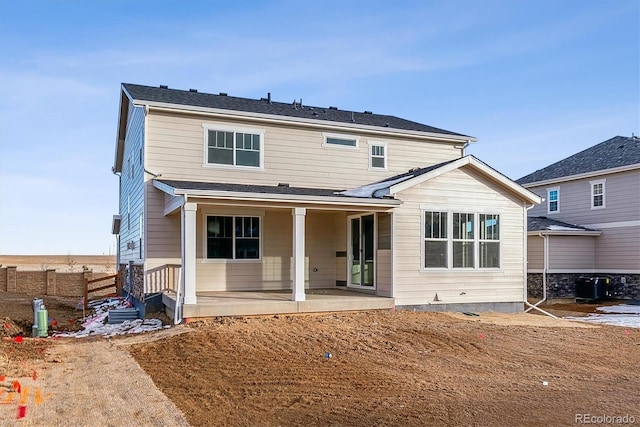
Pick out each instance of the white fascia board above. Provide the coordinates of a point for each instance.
(481, 167)
(565, 233)
(276, 119)
(582, 176)
(289, 198)
(164, 187)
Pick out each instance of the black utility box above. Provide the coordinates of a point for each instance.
(593, 288)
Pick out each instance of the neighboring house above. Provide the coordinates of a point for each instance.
(589, 225)
(237, 194)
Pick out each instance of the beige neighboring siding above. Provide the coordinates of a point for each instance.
(132, 188)
(292, 155)
(461, 190)
(618, 249)
(622, 200)
(568, 253)
(273, 271)
(535, 253)
(383, 273)
(162, 232)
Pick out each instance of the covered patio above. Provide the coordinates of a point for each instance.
(251, 303)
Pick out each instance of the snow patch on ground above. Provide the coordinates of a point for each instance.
(96, 323)
(616, 315)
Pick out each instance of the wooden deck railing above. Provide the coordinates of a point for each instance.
(116, 285)
(162, 278)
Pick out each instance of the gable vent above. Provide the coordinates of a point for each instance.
(164, 87)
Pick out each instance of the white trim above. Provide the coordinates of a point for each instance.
(188, 234)
(473, 162)
(604, 193)
(617, 224)
(582, 176)
(207, 260)
(342, 136)
(175, 204)
(393, 254)
(382, 144)
(225, 127)
(350, 250)
(279, 120)
(549, 190)
(289, 198)
(298, 256)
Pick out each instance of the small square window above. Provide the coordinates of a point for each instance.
(378, 158)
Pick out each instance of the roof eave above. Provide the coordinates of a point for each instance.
(564, 232)
(592, 174)
(281, 198)
(273, 118)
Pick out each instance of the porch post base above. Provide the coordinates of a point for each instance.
(190, 300)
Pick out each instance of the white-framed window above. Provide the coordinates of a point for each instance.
(435, 239)
(377, 156)
(553, 200)
(597, 194)
(339, 140)
(452, 242)
(489, 240)
(232, 237)
(463, 240)
(225, 146)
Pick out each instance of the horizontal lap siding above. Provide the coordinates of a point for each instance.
(535, 253)
(293, 155)
(622, 200)
(460, 190)
(618, 249)
(162, 232)
(132, 188)
(571, 252)
(274, 270)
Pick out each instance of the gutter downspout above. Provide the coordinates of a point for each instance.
(545, 268)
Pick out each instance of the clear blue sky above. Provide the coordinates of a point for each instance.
(534, 80)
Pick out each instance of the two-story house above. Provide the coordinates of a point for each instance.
(250, 206)
(589, 225)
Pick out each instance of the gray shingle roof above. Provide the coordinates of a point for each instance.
(245, 188)
(542, 223)
(615, 152)
(262, 106)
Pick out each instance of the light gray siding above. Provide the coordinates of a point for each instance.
(131, 189)
(618, 247)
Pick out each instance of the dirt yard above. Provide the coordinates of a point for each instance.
(368, 368)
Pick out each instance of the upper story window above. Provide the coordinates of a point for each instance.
(377, 156)
(341, 141)
(553, 200)
(230, 147)
(597, 194)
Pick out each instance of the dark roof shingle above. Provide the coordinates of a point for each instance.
(224, 102)
(542, 223)
(615, 152)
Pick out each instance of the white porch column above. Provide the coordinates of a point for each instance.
(189, 252)
(298, 253)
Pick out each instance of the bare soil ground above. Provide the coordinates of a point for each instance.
(385, 368)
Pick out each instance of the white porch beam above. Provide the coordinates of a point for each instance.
(189, 252)
(298, 253)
